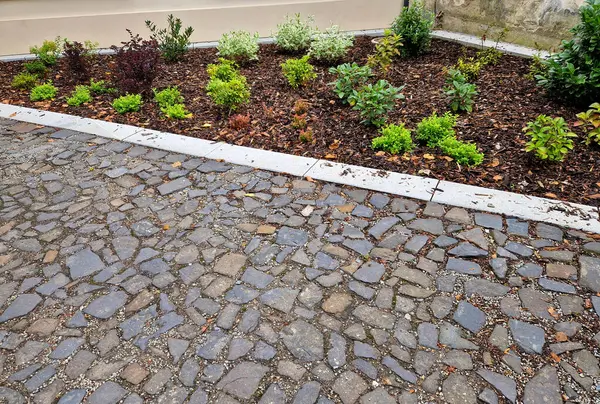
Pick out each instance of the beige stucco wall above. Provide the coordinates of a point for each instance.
(27, 22)
(530, 22)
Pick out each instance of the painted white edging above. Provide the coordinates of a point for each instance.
(582, 217)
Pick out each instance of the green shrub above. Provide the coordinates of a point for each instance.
(386, 50)
(294, 35)
(464, 153)
(573, 74)
(24, 81)
(469, 67)
(176, 111)
(433, 129)
(79, 96)
(394, 139)
(172, 43)
(99, 87)
(331, 45)
(375, 101)
(590, 120)
(459, 91)
(536, 67)
(298, 72)
(225, 70)
(491, 55)
(349, 78)
(48, 52)
(127, 103)
(168, 96)
(45, 91)
(36, 67)
(230, 94)
(240, 46)
(551, 138)
(414, 25)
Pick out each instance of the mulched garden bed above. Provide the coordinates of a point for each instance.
(507, 101)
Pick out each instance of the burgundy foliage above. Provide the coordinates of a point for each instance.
(75, 55)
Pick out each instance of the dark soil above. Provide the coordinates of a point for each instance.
(507, 101)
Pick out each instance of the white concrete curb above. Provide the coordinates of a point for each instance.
(581, 217)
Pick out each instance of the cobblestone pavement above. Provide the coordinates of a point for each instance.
(132, 275)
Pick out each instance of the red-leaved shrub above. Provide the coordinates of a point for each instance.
(75, 55)
(239, 121)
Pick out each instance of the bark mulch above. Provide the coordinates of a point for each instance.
(507, 100)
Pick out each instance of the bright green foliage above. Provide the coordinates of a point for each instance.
(551, 138)
(48, 52)
(489, 56)
(459, 91)
(433, 129)
(298, 72)
(45, 91)
(469, 67)
(414, 25)
(573, 74)
(127, 103)
(99, 87)
(349, 78)
(386, 50)
(240, 46)
(172, 43)
(230, 94)
(168, 96)
(331, 45)
(590, 120)
(36, 67)
(294, 35)
(464, 153)
(225, 70)
(394, 139)
(24, 81)
(176, 111)
(79, 96)
(536, 67)
(375, 101)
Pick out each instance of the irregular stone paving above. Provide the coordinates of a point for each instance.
(134, 275)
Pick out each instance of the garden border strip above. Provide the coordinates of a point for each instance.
(576, 216)
(464, 39)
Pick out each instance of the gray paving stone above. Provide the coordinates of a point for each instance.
(243, 380)
(304, 341)
(529, 338)
(544, 388)
(105, 306)
(21, 306)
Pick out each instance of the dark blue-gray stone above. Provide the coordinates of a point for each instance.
(21, 306)
(530, 338)
(466, 249)
(73, 397)
(395, 367)
(84, 263)
(66, 348)
(370, 272)
(292, 237)
(106, 306)
(307, 394)
(463, 266)
(469, 316)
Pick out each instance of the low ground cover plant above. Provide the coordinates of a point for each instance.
(137, 65)
(590, 121)
(176, 111)
(433, 129)
(459, 91)
(295, 34)
(464, 153)
(414, 25)
(331, 45)
(394, 139)
(550, 138)
(172, 41)
(79, 96)
(227, 87)
(374, 101)
(298, 72)
(100, 87)
(35, 67)
(127, 103)
(168, 96)
(43, 92)
(24, 81)
(349, 78)
(48, 52)
(239, 46)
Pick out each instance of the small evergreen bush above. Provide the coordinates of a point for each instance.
(172, 43)
(24, 81)
(349, 78)
(414, 25)
(43, 92)
(294, 35)
(176, 111)
(375, 101)
(433, 129)
(394, 139)
(239, 46)
(331, 45)
(36, 67)
(298, 72)
(48, 52)
(168, 96)
(79, 96)
(127, 103)
(551, 138)
(230, 94)
(464, 153)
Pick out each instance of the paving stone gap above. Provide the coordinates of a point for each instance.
(131, 275)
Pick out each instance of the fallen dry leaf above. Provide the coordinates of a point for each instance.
(553, 312)
(550, 195)
(176, 164)
(429, 156)
(561, 336)
(330, 156)
(498, 178)
(555, 357)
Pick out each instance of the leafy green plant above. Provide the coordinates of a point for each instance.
(24, 81)
(294, 35)
(230, 94)
(224, 70)
(590, 120)
(349, 78)
(469, 67)
(48, 52)
(45, 91)
(573, 74)
(331, 45)
(36, 67)
(298, 72)
(168, 96)
(127, 103)
(536, 67)
(374, 101)
(414, 25)
(459, 91)
(433, 129)
(551, 138)
(386, 50)
(172, 42)
(79, 96)
(394, 139)
(99, 87)
(491, 55)
(176, 111)
(239, 46)
(464, 153)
